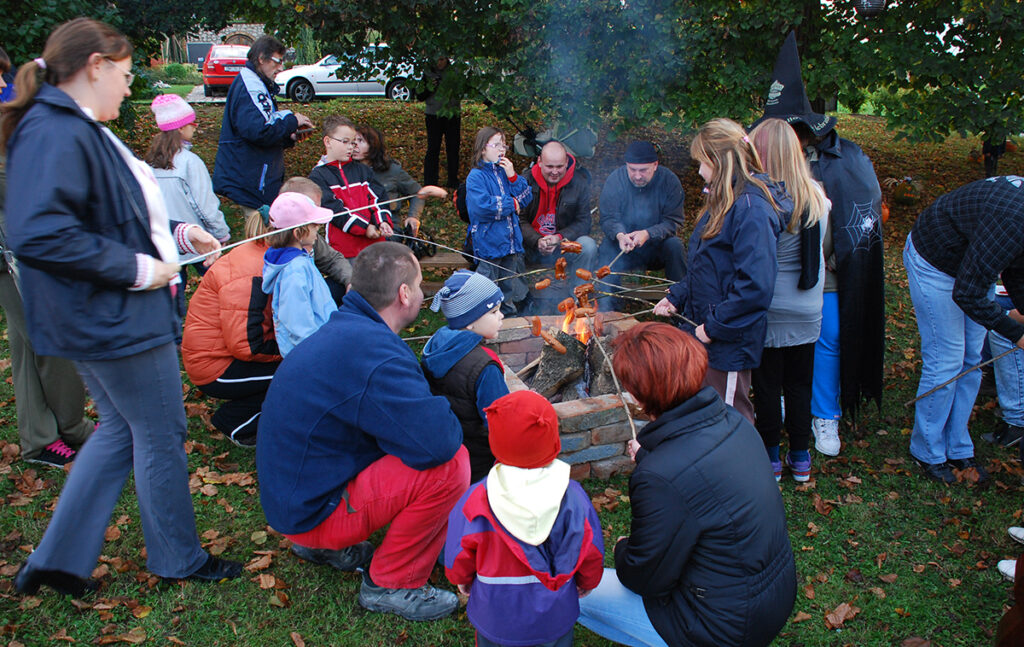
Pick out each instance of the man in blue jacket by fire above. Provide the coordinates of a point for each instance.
(353, 440)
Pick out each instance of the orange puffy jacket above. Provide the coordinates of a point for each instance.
(229, 317)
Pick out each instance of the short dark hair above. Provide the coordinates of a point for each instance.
(265, 47)
(5, 62)
(376, 156)
(380, 270)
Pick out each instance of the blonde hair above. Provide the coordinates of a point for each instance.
(723, 145)
(784, 161)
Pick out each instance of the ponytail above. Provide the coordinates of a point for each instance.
(66, 53)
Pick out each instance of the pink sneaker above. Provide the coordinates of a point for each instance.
(56, 454)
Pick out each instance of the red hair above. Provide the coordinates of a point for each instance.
(661, 365)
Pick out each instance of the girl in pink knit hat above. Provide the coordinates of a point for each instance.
(183, 178)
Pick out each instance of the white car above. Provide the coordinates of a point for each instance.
(333, 76)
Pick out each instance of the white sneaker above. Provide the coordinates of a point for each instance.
(1017, 534)
(826, 436)
(1007, 567)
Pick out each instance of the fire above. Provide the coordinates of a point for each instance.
(578, 327)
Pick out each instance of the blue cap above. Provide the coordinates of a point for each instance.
(465, 297)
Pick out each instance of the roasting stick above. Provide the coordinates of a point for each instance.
(611, 369)
(638, 300)
(457, 251)
(644, 276)
(626, 316)
(221, 250)
(621, 252)
(960, 375)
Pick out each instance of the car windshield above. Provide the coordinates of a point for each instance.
(330, 60)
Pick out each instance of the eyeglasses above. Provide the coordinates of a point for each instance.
(276, 60)
(128, 76)
(344, 142)
(501, 146)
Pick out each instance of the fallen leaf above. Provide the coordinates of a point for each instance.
(112, 533)
(879, 593)
(820, 506)
(888, 579)
(854, 575)
(209, 490)
(801, 616)
(953, 582)
(259, 563)
(62, 634)
(835, 618)
(915, 641)
(141, 611)
(29, 603)
(266, 580)
(176, 641)
(297, 639)
(210, 534)
(259, 537)
(918, 568)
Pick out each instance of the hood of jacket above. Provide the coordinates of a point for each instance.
(274, 262)
(446, 348)
(526, 501)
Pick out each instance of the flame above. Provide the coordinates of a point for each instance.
(581, 330)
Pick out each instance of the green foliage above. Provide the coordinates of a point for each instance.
(176, 73)
(307, 47)
(26, 25)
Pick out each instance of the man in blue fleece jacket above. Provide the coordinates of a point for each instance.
(351, 440)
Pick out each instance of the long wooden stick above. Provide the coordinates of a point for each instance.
(221, 250)
(621, 252)
(611, 369)
(644, 276)
(960, 375)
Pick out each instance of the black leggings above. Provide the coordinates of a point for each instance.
(243, 385)
(785, 370)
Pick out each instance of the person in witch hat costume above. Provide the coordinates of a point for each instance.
(848, 356)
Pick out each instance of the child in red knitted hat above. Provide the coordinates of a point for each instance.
(524, 543)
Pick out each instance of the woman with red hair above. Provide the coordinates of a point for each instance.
(708, 560)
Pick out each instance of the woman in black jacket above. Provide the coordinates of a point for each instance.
(98, 269)
(708, 560)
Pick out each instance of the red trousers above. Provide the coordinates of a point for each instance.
(415, 503)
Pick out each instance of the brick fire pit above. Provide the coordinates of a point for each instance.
(594, 430)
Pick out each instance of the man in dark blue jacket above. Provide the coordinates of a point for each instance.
(351, 440)
(641, 208)
(249, 169)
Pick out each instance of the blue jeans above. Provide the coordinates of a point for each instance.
(1009, 372)
(950, 342)
(826, 387)
(142, 428)
(613, 611)
(668, 254)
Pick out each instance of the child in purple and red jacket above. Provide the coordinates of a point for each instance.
(525, 543)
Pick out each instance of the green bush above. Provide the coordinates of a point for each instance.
(176, 73)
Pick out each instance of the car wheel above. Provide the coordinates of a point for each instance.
(207, 91)
(301, 91)
(397, 90)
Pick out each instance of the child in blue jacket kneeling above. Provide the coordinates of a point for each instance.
(525, 543)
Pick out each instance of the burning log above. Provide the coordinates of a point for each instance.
(556, 369)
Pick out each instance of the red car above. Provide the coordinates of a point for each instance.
(222, 65)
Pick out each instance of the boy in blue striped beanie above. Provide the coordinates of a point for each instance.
(459, 367)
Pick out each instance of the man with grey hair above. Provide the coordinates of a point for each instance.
(351, 440)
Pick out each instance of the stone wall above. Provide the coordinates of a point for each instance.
(253, 30)
(594, 430)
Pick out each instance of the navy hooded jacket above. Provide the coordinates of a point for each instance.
(76, 218)
(730, 278)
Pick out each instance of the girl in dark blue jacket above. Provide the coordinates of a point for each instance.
(98, 267)
(731, 263)
(494, 196)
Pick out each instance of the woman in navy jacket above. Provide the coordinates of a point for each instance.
(708, 559)
(731, 262)
(98, 263)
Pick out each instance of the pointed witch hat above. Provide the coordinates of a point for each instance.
(787, 97)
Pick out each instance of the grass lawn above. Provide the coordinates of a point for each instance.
(909, 557)
(180, 90)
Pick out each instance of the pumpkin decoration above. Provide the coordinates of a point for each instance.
(905, 191)
(885, 212)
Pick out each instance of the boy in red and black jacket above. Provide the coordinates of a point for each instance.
(347, 186)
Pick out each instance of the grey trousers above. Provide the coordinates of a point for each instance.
(142, 425)
(48, 392)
